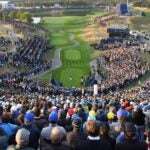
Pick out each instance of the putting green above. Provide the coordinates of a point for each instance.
(72, 54)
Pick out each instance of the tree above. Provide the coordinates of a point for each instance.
(13, 14)
(26, 17)
(18, 14)
(4, 15)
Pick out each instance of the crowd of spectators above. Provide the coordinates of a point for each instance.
(3, 59)
(122, 66)
(30, 51)
(32, 120)
(39, 116)
(4, 42)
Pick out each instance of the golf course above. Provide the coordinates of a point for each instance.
(71, 36)
(75, 53)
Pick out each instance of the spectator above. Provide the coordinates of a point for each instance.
(104, 134)
(131, 142)
(56, 137)
(77, 135)
(46, 131)
(93, 141)
(34, 131)
(38, 120)
(138, 118)
(12, 127)
(122, 115)
(22, 140)
(121, 137)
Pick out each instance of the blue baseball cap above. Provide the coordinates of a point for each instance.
(74, 116)
(29, 117)
(53, 116)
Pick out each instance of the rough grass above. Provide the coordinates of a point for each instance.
(2, 33)
(140, 23)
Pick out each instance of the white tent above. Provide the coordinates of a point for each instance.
(36, 20)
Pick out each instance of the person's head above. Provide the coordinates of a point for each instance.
(104, 129)
(53, 117)
(77, 123)
(92, 128)
(28, 118)
(22, 137)
(6, 117)
(129, 130)
(56, 135)
(36, 111)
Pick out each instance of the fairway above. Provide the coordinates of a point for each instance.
(75, 53)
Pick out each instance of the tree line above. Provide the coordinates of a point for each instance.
(21, 16)
(48, 3)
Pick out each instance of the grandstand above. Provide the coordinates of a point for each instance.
(118, 31)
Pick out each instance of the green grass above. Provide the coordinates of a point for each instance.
(75, 59)
(140, 23)
(72, 54)
(145, 57)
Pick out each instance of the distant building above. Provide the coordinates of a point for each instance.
(57, 6)
(122, 9)
(7, 4)
(11, 5)
(36, 20)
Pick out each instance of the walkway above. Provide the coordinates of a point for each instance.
(56, 60)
